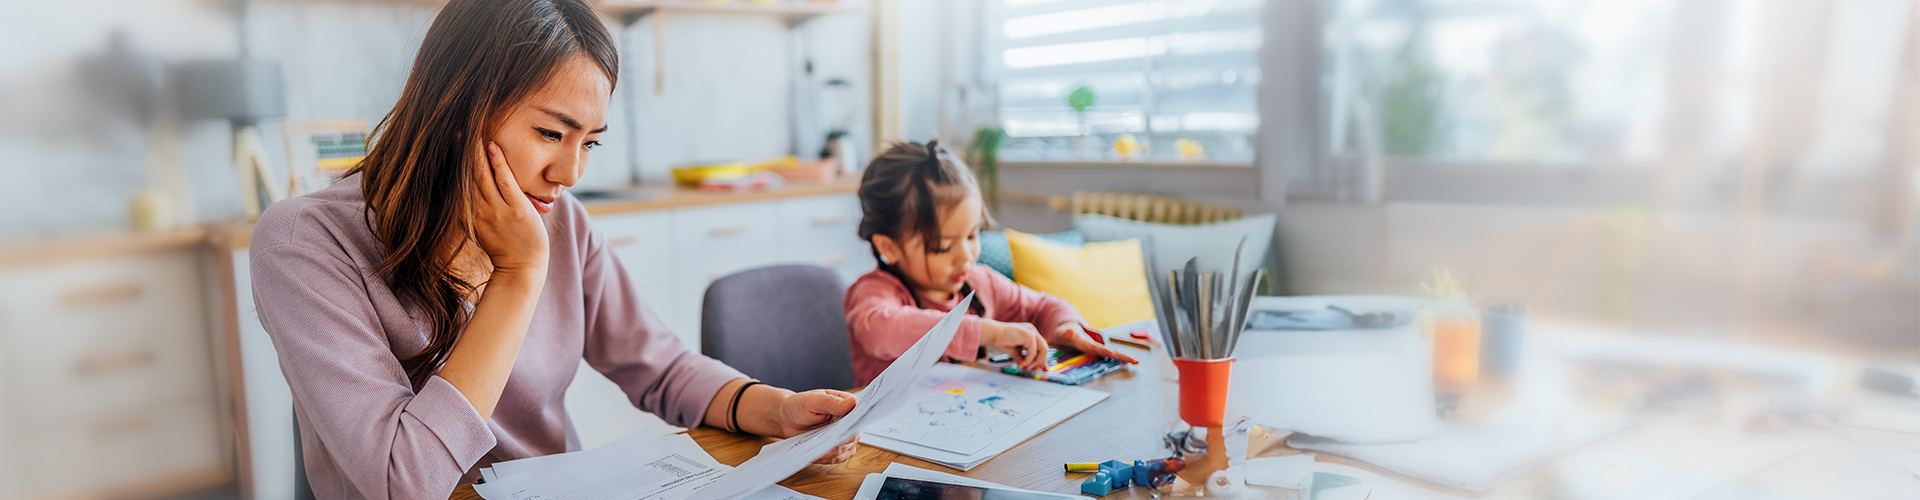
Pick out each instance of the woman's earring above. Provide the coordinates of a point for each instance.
(883, 260)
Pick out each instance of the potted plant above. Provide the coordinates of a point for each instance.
(984, 155)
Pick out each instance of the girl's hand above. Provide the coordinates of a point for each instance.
(813, 409)
(1071, 335)
(1019, 340)
(505, 225)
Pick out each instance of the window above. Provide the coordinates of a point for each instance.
(1611, 83)
(1144, 81)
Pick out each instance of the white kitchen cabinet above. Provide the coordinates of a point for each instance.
(824, 231)
(107, 378)
(643, 241)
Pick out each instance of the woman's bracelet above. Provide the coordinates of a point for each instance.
(733, 409)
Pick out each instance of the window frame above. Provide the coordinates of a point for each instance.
(992, 42)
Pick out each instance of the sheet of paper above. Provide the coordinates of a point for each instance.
(1291, 472)
(602, 469)
(1371, 486)
(525, 465)
(1074, 401)
(636, 468)
(964, 410)
(777, 492)
(882, 396)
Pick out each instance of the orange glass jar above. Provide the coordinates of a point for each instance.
(1456, 348)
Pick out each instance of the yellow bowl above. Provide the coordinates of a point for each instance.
(692, 175)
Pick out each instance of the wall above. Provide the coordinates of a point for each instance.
(71, 146)
(70, 159)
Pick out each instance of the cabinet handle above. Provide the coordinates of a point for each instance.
(832, 262)
(98, 364)
(728, 230)
(119, 427)
(624, 240)
(98, 295)
(829, 220)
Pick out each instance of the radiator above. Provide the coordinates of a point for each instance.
(1144, 208)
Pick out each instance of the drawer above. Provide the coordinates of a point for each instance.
(108, 450)
(723, 239)
(644, 244)
(835, 214)
(136, 373)
(104, 301)
(103, 335)
(824, 231)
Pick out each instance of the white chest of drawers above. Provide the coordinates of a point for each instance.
(107, 379)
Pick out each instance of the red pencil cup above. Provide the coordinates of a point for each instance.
(1203, 390)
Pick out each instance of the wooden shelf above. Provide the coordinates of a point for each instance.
(630, 10)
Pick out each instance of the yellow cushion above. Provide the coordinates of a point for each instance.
(1106, 280)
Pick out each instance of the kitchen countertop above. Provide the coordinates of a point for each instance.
(238, 234)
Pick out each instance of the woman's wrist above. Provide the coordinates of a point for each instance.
(743, 406)
(759, 411)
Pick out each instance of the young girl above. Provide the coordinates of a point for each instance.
(922, 212)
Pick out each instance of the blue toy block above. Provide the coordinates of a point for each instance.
(1120, 473)
(1142, 474)
(1097, 486)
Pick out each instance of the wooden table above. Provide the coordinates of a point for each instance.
(1129, 426)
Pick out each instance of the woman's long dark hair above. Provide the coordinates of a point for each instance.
(480, 58)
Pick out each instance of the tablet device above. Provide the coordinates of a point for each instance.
(882, 487)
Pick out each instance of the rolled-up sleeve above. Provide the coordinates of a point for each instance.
(629, 344)
(388, 441)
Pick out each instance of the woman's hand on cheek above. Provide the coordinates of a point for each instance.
(505, 224)
(813, 409)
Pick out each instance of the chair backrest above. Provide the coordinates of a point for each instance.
(783, 325)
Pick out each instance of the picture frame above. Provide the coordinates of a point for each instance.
(321, 152)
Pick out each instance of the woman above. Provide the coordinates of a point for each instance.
(430, 308)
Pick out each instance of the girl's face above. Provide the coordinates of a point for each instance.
(938, 269)
(547, 136)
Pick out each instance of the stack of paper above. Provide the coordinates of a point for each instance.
(960, 417)
(881, 396)
(642, 467)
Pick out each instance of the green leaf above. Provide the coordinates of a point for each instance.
(1080, 99)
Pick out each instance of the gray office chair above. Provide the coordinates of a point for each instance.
(782, 325)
